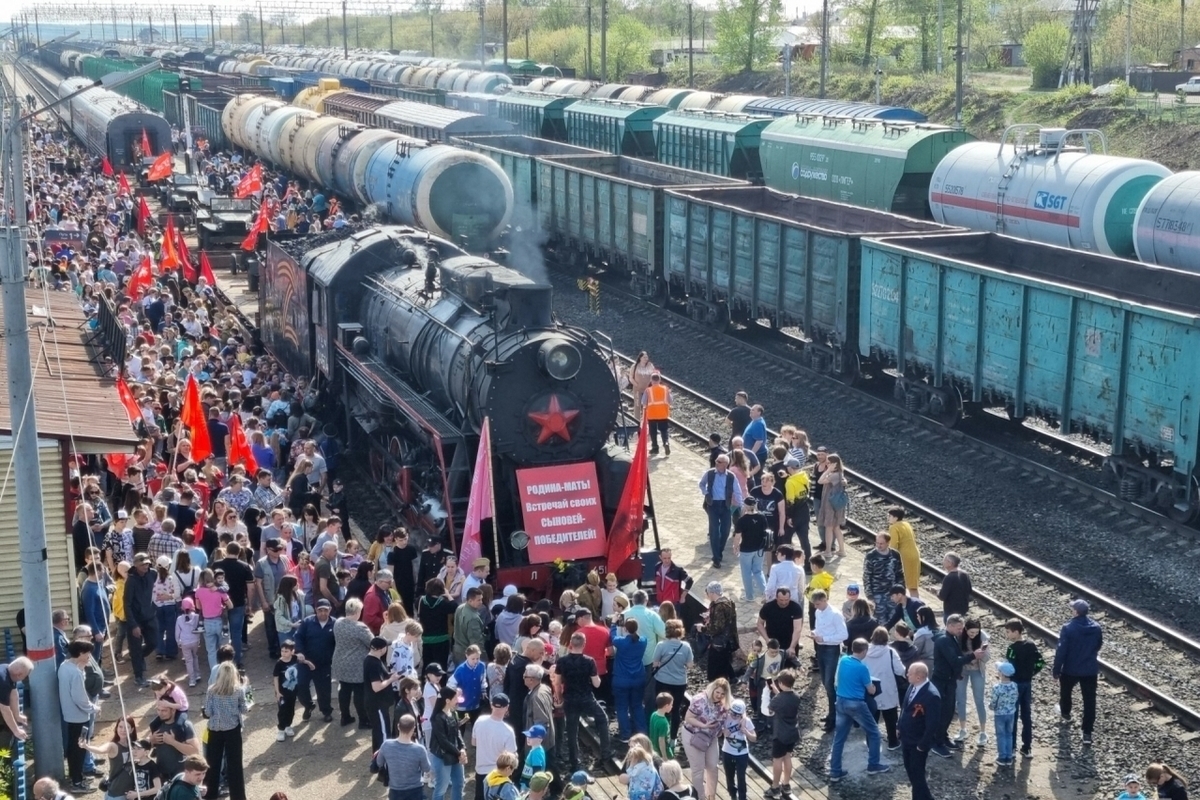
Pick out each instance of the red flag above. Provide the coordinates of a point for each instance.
(123, 185)
(162, 167)
(479, 506)
(185, 257)
(105, 167)
(127, 400)
(240, 451)
(169, 258)
(250, 183)
(206, 270)
(259, 226)
(141, 279)
(631, 511)
(147, 151)
(118, 463)
(143, 215)
(193, 416)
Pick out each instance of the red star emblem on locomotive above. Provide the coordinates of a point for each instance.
(553, 421)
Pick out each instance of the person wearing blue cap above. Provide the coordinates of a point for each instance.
(1004, 712)
(535, 756)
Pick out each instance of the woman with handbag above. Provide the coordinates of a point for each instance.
(831, 514)
(672, 657)
(701, 740)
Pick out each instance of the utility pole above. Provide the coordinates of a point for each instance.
(1182, 44)
(431, 45)
(504, 31)
(358, 31)
(212, 27)
(175, 17)
(37, 28)
(31, 522)
(691, 57)
(941, 29)
(391, 31)
(588, 60)
(262, 31)
(959, 58)
(1129, 40)
(604, 41)
(345, 33)
(150, 26)
(825, 46)
(328, 31)
(482, 33)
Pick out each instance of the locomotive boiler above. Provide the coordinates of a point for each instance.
(423, 342)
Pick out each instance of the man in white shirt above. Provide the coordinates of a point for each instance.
(788, 572)
(491, 736)
(829, 632)
(479, 574)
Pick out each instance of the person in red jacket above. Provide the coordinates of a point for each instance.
(375, 604)
(670, 579)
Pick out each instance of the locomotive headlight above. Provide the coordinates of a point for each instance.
(559, 359)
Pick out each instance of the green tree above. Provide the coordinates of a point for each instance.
(1045, 48)
(746, 31)
(629, 45)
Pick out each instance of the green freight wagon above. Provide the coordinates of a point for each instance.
(517, 156)
(536, 114)
(863, 162)
(614, 126)
(610, 208)
(750, 253)
(711, 141)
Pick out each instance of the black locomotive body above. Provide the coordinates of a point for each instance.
(422, 341)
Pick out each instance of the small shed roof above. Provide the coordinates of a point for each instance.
(72, 398)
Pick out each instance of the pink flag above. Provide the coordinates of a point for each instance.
(479, 507)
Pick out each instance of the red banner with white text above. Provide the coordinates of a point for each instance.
(560, 506)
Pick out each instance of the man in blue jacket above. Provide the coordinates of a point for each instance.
(314, 649)
(919, 718)
(1077, 661)
(904, 608)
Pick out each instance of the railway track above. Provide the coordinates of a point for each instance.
(1010, 584)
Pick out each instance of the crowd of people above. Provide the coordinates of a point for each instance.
(183, 544)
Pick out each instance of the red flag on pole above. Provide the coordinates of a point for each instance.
(123, 185)
(169, 259)
(259, 226)
(141, 279)
(631, 511)
(193, 417)
(143, 214)
(106, 167)
(162, 167)
(127, 400)
(185, 258)
(250, 183)
(147, 150)
(240, 451)
(479, 506)
(118, 463)
(206, 270)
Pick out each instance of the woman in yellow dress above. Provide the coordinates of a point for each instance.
(905, 542)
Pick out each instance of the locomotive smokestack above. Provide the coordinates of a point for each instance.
(527, 307)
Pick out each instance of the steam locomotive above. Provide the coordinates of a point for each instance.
(421, 342)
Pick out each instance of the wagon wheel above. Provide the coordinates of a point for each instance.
(718, 319)
(945, 406)
(851, 369)
(1184, 511)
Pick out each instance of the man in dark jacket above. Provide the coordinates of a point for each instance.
(904, 608)
(1076, 661)
(140, 615)
(948, 661)
(919, 727)
(314, 649)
